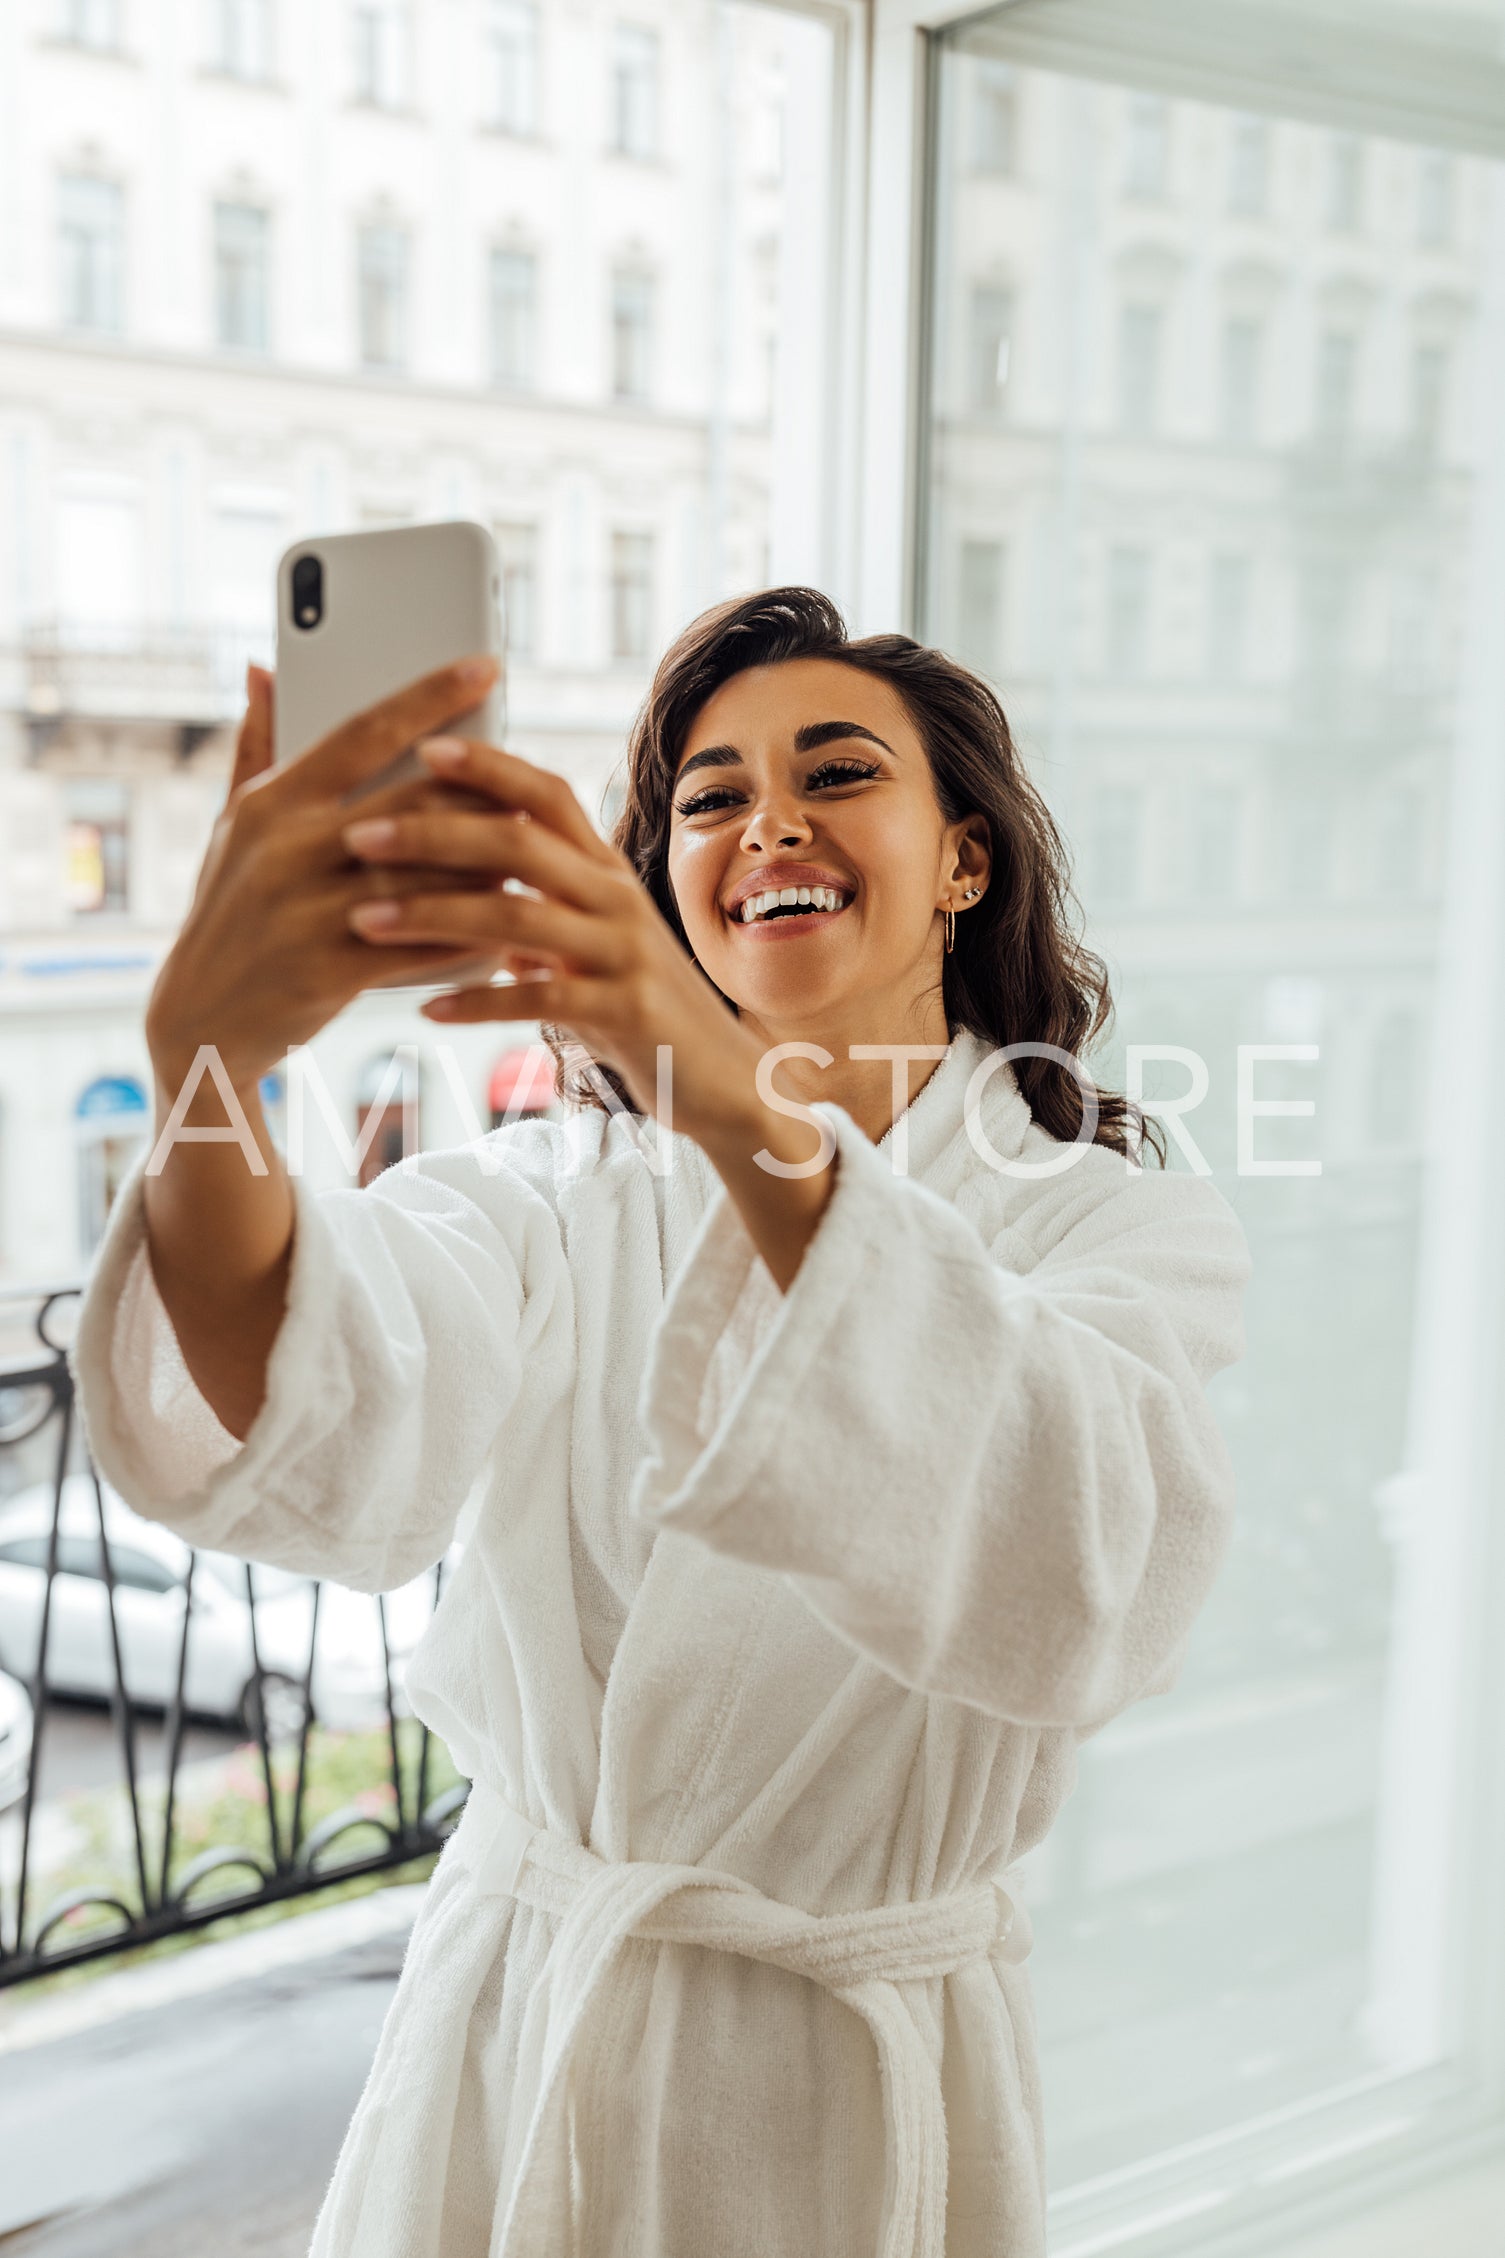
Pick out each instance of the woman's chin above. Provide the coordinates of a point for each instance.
(784, 997)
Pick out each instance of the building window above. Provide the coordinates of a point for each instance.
(240, 38)
(1216, 827)
(632, 306)
(990, 347)
(380, 35)
(1345, 183)
(99, 560)
(517, 548)
(521, 1083)
(1227, 618)
(1128, 612)
(995, 117)
(1412, 630)
(1326, 616)
(1429, 389)
(979, 609)
(514, 318)
(383, 294)
(98, 846)
(1434, 200)
(1248, 167)
(241, 237)
(1140, 329)
(90, 23)
(1337, 377)
(1307, 861)
(91, 232)
(1117, 813)
(511, 30)
(388, 1124)
(1147, 159)
(1395, 1080)
(111, 1120)
(634, 91)
(631, 595)
(1400, 841)
(1242, 342)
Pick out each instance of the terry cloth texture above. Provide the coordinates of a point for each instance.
(770, 1648)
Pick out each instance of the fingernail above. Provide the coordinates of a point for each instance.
(375, 917)
(370, 837)
(443, 752)
(474, 673)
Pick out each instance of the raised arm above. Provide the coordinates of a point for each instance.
(412, 1311)
(265, 957)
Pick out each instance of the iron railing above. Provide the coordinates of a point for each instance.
(163, 1886)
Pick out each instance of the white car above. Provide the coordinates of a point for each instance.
(150, 1567)
(15, 1740)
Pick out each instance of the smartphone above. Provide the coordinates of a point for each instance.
(361, 614)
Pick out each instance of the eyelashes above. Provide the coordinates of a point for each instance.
(724, 795)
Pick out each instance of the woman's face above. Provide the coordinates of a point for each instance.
(811, 776)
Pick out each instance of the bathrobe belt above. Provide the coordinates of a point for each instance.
(862, 1958)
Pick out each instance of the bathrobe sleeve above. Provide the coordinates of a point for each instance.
(411, 1309)
(1000, 1479)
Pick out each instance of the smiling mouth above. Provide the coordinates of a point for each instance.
(799, 906)
(788, 922)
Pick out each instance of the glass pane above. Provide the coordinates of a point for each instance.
(1202, 483)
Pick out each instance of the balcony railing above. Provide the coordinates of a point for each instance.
(124, 1648)
(193, 676)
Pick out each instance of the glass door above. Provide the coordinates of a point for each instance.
(1210, 491)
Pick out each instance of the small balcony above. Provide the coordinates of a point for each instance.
(192, 677)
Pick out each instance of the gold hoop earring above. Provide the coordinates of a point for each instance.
(950, 931)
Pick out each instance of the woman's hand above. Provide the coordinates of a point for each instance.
(266, 954)
(593, 952)
(588, 944)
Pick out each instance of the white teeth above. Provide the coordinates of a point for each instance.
(757, 906)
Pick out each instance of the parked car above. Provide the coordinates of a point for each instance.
(15, 1740)
(150, 1568)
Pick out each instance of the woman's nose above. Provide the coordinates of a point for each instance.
(769, 828)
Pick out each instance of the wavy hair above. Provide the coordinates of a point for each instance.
(1019, 971)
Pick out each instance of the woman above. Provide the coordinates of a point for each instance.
(844, 1462)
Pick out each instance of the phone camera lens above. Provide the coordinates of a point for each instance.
(308, 591)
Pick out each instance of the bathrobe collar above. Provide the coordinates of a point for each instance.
(934, 1128)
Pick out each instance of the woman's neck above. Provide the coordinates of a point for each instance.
(866, 1088)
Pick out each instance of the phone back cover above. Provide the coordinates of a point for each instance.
(397, 604)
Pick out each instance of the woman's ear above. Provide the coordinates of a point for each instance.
(972, 852)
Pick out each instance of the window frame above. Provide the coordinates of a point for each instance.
(224, 252)
(117, 239)
(1262, 2182)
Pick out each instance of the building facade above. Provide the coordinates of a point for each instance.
(267, 271)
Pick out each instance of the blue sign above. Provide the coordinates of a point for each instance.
(112, 1094)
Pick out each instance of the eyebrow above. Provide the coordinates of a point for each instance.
(807, 740)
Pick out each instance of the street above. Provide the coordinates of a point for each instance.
(81, 1747)
(229, 2142)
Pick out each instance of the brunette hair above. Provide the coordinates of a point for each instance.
(1019, 971)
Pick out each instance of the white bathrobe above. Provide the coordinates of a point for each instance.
(769, 1653)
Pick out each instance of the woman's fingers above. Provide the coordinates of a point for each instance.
(516, 784)
(362, 746)
(490, 919)
(563, 998)
(253, 746)
(461, 840)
